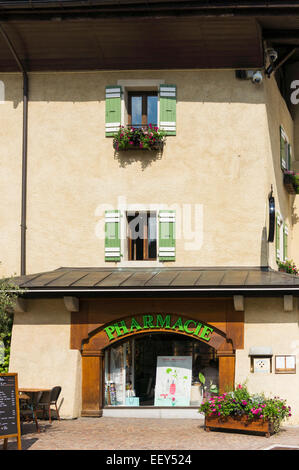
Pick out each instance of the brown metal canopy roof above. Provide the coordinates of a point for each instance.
(76, 280)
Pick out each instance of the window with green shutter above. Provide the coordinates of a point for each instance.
(285, 151)
(167, 243)
(113, 109)
(285, 242)
(112, 235)
(277, 237)
(167, 96)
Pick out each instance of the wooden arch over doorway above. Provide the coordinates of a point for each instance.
(94, 345)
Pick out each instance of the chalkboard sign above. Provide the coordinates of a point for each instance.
(9, 407)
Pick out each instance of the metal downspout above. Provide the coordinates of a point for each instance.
(24, 150)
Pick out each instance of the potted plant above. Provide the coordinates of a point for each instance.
(291, 181)
(131, 138)
(202, 381)
(241, 411)
(287, 267)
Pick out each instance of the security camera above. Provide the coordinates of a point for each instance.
(254, 76)
(257, 77)
(272, 54)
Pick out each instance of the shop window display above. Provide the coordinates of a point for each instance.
(160, 370)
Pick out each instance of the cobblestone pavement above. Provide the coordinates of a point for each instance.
(143, 434)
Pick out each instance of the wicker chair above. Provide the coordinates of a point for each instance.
(48, 399)
(28, 410)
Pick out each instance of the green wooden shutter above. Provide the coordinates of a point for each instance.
(283, 150)
(285, 242)
(277, 237)
(166, 235)
(289, 160)
(112, 235)
(167, 95)
(113, 109)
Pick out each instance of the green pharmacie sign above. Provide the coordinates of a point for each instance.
(158, 322)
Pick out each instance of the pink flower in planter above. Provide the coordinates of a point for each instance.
(240, 386)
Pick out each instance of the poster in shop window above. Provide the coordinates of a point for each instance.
(173, 381)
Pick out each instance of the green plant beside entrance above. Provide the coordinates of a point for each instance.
(241, 403)
(9, 293)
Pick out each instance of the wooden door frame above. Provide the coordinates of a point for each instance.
(93, 367)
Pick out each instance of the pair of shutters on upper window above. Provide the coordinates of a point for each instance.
(166, 234)
(285, 151)
(281, 239)
(167, 109)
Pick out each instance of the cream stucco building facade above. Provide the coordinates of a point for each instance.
(216, 172)
(219, 168)
(211, 244)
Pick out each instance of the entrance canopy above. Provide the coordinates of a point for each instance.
(158, 280)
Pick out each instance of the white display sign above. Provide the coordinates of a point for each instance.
(173, 381)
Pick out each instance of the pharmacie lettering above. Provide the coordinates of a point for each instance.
(151, 322)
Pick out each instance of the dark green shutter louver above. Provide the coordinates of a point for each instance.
(167, 96)
(113, 109)
(112, 236)
(167, 235)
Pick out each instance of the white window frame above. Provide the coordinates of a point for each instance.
(125, 262)
(283, 228)
(137, 85)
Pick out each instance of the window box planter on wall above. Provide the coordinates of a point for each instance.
(239, 424)
(240, 411)
(288, 267)
(291, 182)
(145, 138)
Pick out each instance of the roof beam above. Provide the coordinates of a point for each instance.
(71, 303)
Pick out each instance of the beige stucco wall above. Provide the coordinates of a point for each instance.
(277, 115)
(266, 324)
(11, 115)
(222, 161)
(41, 354)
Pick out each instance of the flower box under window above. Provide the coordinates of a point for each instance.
(291, 182)
(140, 138)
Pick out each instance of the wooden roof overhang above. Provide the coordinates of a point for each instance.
(132, 43)
(52, 35)
(165, 282)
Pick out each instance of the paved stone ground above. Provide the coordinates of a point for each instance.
(143, 434)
